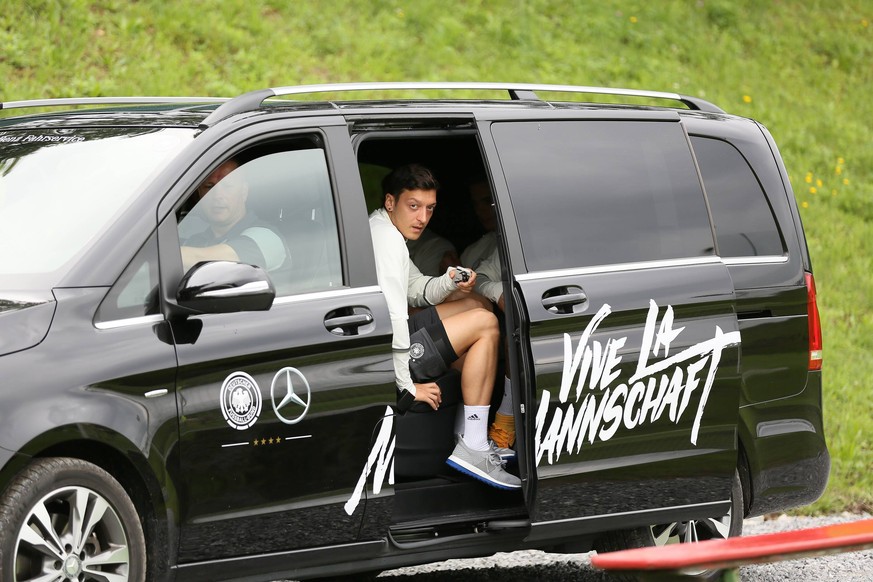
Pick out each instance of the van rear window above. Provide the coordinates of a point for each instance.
(744, 222)
(589, 193)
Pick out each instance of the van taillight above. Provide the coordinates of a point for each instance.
(815, 343)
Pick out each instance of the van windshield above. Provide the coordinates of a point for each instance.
(60, 188)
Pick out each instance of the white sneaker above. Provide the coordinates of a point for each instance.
(486, 466)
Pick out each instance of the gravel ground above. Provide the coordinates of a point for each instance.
(524, 566)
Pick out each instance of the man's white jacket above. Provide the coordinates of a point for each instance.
(403, 285)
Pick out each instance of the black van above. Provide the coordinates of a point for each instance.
(226, 421)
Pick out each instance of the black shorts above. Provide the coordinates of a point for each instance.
(430, 352)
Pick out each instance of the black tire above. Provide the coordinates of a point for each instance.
(695, 530)
(41, 533)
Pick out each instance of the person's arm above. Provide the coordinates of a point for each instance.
(424, 291)
(220, 252)
(392, 261)
(489, 282)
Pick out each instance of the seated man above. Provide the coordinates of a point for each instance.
(457, 333)
(483, 257)
(234, 233)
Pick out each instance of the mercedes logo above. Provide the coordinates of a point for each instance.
(293, 404)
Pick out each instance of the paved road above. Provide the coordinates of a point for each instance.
(533, 565)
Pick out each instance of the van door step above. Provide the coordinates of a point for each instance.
(435, 501)
(506, 525)
(421, 536)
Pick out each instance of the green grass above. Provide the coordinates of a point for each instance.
(804, 69)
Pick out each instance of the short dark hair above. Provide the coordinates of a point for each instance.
(409, 177)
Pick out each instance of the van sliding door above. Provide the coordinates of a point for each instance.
(629, 315)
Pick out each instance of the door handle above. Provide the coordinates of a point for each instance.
(348, 320)
(563, 300)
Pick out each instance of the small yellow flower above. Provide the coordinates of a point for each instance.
(812, 190)
(818, 183)
(808, 178)
(865, 23)
(747, 99)
(845, 181)
(633, 19)
(838, 170)
(841, 161)
(805, 204)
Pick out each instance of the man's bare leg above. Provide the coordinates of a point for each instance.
(475, 337)
(479, 300)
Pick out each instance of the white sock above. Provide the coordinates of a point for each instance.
(506, 403)
(476, 427)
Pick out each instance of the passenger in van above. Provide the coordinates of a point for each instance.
(480, 197)
(432, 253)
(483, 257)
(234, 233)
(456, 333)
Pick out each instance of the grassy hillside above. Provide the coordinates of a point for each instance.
(804, 69)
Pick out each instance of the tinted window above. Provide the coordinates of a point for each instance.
(603, 192)
(744, 222)
(287, 225)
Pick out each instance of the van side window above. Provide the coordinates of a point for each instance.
(595, 192)
(744, 222)
(289, 226)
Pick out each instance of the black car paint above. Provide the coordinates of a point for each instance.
(81, 390)
(25, 324)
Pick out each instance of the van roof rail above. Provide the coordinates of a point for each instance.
(73, 101)
(252, 100)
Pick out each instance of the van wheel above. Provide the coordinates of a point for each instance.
(710, 528)
(694, 530)
(67, 519)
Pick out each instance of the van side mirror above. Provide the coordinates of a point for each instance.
(225, 287)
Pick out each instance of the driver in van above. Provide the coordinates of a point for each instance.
(458, 333)
(234, 233)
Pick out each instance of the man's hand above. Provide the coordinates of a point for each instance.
(430, 393)
(465, 286)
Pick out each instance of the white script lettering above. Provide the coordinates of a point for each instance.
(380, 460)
(600, 409)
